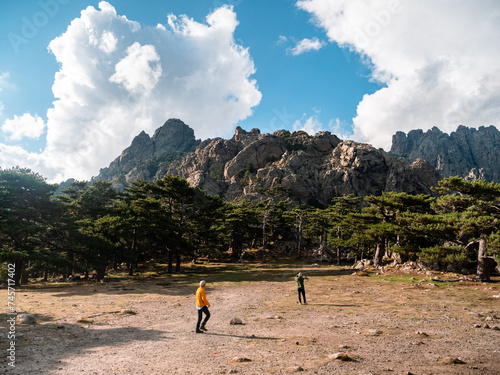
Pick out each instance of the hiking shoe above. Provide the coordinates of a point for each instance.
(199, 331)
(305, 303)
(203, 329)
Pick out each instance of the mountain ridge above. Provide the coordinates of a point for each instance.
(282, 165)
(467, 152)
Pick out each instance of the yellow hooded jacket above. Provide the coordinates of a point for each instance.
(201, 297)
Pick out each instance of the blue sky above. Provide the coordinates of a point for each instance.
(79, 79)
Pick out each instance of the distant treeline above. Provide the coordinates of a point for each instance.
(91, 227)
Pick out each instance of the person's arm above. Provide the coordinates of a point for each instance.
(205, 300)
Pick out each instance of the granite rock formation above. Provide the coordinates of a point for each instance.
(469, 153)
(149, 157)
(307, 169)
(281, 165)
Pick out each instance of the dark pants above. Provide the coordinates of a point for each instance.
(301, 291)
(204, 309)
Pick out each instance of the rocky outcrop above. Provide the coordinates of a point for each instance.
(469, 153)
(282, 165)
(149, 157)
(306, 169)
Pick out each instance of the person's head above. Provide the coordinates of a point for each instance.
(299, 274)
(203, 283)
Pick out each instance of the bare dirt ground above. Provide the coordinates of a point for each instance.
(390, 323)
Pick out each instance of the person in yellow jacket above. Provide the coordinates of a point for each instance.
(202, 305)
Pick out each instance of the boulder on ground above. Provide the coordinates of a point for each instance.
(26, 319)
(340, 356)
(241, 359)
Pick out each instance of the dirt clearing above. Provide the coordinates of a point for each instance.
(367, 323)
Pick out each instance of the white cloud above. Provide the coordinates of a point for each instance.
(339, 128)
(12, 156)
(3, 83)
(4, 77)
(117, 78)
(139, 71)
(281, 40)
(24, 126)
(306, 45)
(108, 42)
(438, 61)
(311, 125)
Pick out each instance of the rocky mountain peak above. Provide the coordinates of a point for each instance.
(173, 137)
(147, 156)
(467, 152)
(298, 166)
(283, 165)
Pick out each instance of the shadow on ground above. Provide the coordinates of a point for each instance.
(186, 283)
(35, 344)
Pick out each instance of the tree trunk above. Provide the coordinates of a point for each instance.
(25, 275)
(483, 269)
(19, 263)
(264, 238)
(388, 252)
(339, 233)
(379, 253)
(170, 262)
(235, 248)
(69, 269)
(299, 234)
(133, 251)
(100, 272)
(178, 264)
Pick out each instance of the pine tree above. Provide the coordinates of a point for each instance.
(475, 206)
(339, 214)
(89, 207)
(385, 218)
(25, 214)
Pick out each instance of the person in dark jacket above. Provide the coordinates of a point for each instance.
(300, 287)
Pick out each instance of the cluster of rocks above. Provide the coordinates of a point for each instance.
(337, 356)
(363, 264)
(489, 321)
(432, 266)
(423, 266)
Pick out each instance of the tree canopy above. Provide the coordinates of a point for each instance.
(90, 228)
